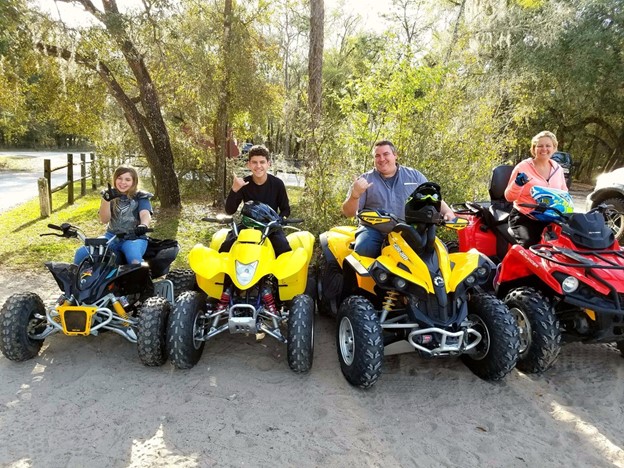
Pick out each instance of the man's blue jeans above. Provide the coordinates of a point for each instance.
(133, 249)
(368, 241)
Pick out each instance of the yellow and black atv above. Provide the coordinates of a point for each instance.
(100, 294)
(414, 297)
(248, 290)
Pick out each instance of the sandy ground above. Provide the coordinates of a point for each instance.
(90, 402)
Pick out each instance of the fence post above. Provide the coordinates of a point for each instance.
(47, 174)
(70, 178)
(44, 197)
(93, 171)
(83, 174)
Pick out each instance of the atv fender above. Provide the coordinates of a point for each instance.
(218, 238)
(209, 268)
(291, 270)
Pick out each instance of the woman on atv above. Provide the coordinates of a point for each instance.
(540, 170)
(127, 210)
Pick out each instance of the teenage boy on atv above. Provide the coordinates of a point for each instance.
(263, 187)
(386, 187)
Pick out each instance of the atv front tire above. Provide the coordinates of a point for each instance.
(359, 341)
(20, 318)
(183, 329)
(300, 347)
(497, 353)
(540, 336)
(183, 280)
(152, 328)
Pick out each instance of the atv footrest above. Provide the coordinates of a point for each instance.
(164, 288)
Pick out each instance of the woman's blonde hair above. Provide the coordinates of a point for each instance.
(135, 179)
(543, 134)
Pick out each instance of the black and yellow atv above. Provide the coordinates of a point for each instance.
(414, 297)
(99, 295)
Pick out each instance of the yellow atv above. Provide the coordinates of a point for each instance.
(414, 297)
(247, 290)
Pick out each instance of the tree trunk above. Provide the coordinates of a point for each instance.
(221, 133)
(149, 127)
(315, 61)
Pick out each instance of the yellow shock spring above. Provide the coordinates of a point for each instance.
(391, 300)
(120, 311)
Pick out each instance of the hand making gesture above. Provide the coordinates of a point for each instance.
(238, 183)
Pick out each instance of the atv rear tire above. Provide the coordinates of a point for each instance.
(18, 321)
(184, 349)
(323, 304)
(540, 336)
(300, 347)
(183, 280)
(615, 221)
(497, 353)
(620, 346)
(310, 288)
(359, 341)
(152, 329)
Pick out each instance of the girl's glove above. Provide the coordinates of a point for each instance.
(110, 193)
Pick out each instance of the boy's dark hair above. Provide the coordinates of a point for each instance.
(258, 150)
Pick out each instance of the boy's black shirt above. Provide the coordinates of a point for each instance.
(272, 192)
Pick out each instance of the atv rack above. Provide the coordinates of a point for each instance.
(581, 260)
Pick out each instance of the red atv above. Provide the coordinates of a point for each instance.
(570, 287)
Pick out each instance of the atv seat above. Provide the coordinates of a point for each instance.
(500, 207)
(159, 256)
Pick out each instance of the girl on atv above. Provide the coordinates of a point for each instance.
(128, 212)
(539, 170)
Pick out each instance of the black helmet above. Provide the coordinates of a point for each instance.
(423, 205)
(257, 214)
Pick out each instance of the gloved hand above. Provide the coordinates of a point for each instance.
(140, 230)
(110, 193)
(521, 179)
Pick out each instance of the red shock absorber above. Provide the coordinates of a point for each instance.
(269, 301)
(224, 301)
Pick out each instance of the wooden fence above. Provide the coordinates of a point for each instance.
(45, 184)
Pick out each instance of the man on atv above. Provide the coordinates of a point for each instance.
(263, 187)
(386, 187)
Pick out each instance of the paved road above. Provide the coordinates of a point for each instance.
(17, 187)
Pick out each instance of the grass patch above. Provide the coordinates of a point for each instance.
(18, 164)
(24, 249)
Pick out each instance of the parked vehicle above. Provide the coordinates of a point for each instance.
(570, 287)
(414, 297)
(98, 295)
(565, 161)
(609, 190)
(248, 290)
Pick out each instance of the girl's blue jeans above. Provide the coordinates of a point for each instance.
(133, 250)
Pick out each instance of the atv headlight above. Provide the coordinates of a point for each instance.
(470, 280)
(382, 276)
(483, 272)
(570, 284)
(245, 272)
(399, 283)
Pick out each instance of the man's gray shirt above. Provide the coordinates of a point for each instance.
(390, 197)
